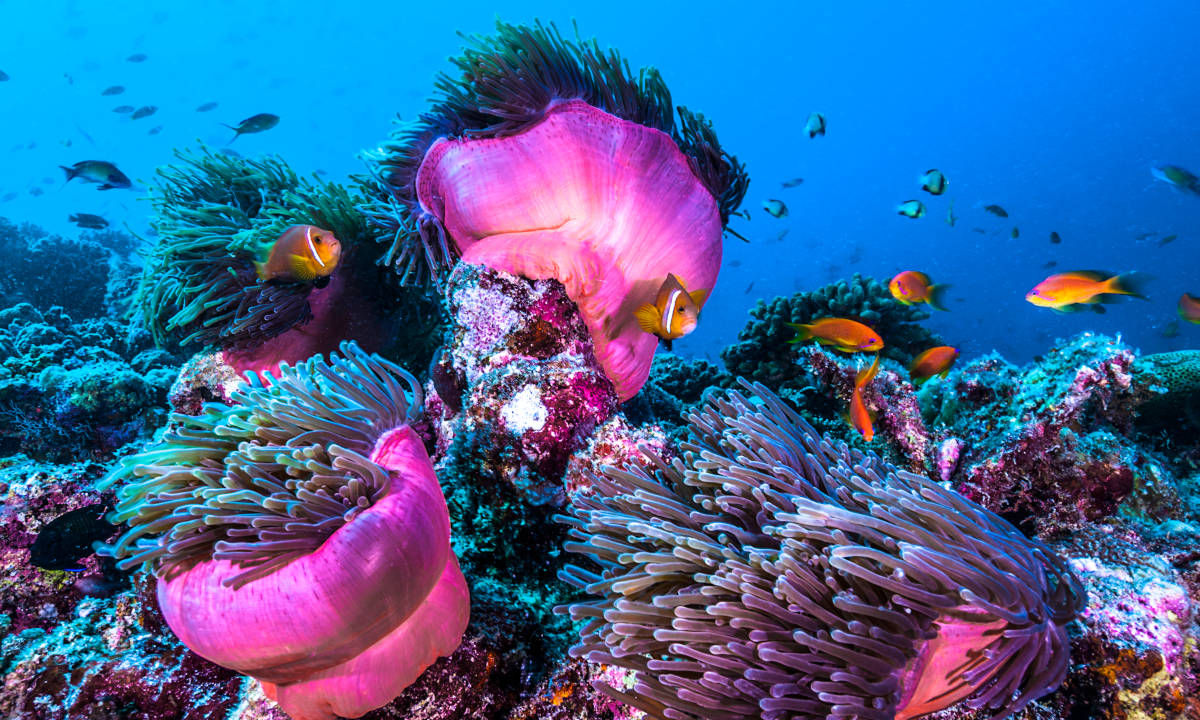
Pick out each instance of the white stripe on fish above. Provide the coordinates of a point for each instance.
(669, 309)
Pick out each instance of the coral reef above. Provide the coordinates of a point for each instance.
(84, 275)
(1051, 446)
(769, 573)
(763, 353)
(70, 390)
(253, 516)
(514, 166)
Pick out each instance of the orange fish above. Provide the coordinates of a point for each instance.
(1189, 308)
(674, 312)
(1065, 292)
(861, 418)
(845, 335)
(934, 361)
(911, 287)
(302, 253)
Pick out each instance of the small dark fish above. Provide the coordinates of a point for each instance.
(981, 231)
(155, 130)
(321, 173)
(9, 196)
(911, 209)
(70, 80)
(1016, 233)
(207, 107)
(734, 263)
(230, 152)
(782, 234)
(1171, 329)
(136, 58)
(934, 182)
(749, 288)
(815, 125)
(37, 192)
(101, 172)
(144, 111)
(1049, 264)
(794, 182)
(775, 208)
(996, 210)
(122, 109)
(88, 221)
(1055, 238)
(48, 181)
(1167, 240)
(3, 76)
(113, 90)
(254, 124)
(68, 538)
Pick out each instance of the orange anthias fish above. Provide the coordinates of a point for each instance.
(1065, 292)
(1189, 308)
(301, 254)
(845, 335)
(934, 361)
(911, 287)
(861, 418)
(674, 312)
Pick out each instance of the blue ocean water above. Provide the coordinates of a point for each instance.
(1054, 110)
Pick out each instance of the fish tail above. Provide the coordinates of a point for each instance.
(937, 296)
(647, 318)
(803, 332)
(1132, 284)
(865, 376)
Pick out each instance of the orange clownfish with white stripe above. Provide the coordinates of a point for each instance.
(674, 312)
(303, 253)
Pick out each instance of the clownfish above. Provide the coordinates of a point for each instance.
(845, 335)
(934, 361)
(861, 418)
(911, 287)
(301, 254)
(1067, 291)
(674, 312)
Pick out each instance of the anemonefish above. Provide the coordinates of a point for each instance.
(912, 287)
(301, 254)
(845, 335)
(674, 312)
(1189, 308)
(934, 361)
(1065, 292)
(861, 418)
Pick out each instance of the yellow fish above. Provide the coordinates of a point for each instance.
(301, 254)
(674, 312)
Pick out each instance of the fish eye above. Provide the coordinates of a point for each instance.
(680, 311)
(318, 239)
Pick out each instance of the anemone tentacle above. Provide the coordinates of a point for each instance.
(769, 573)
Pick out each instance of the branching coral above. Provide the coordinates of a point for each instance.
(300, 535)
(769, 573)
(762, 352)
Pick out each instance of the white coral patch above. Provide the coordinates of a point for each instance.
(525, 411)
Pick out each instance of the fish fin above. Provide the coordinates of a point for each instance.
(698, 297)
(1096, 275)
(261, 269)
(1130, 284)
(300, 267)
(937, 296)
(106, 186)
(647, 318)
(71, 172)
(803, 332)
(865, 376)
(668, 343)
(1099, 309)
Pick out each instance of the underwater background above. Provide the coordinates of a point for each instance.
(285, 432)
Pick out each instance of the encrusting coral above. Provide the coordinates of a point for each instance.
(771, 574)
(514, 165)
(300, 535)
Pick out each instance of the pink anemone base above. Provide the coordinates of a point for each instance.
(606, 206)
(345, 629)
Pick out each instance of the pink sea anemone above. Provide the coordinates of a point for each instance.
(301, 537)
(547, 160)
